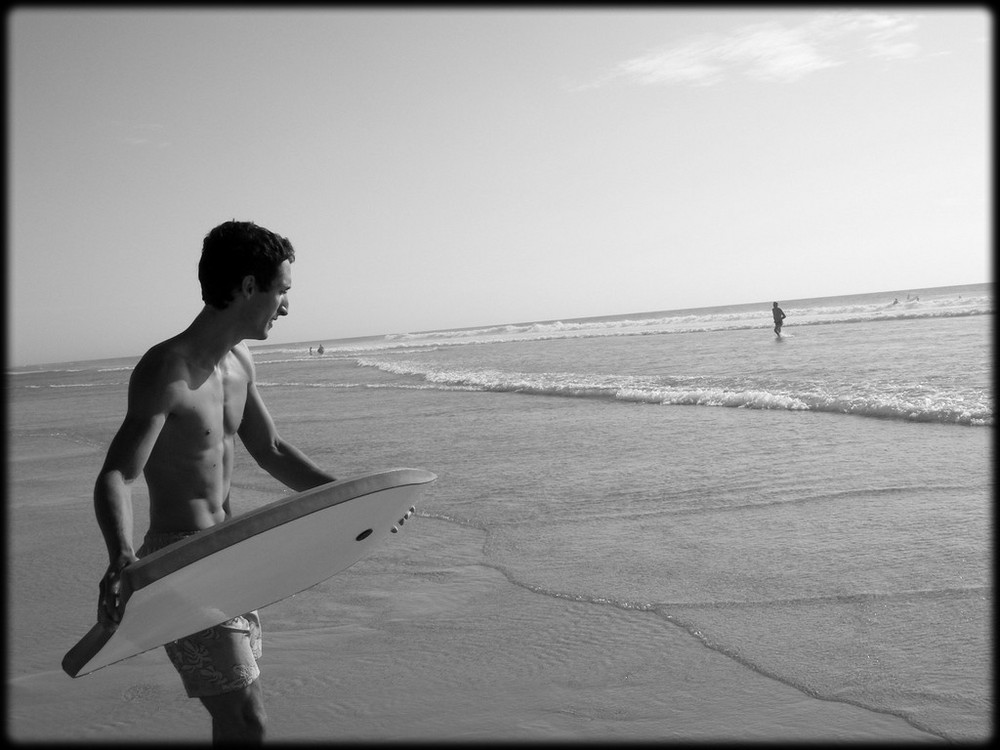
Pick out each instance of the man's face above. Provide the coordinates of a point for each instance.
(270, 304)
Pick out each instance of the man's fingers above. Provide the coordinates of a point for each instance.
(109, 603)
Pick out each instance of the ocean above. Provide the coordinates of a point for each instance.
(666, 525)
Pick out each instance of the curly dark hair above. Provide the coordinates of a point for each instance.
(235, 250)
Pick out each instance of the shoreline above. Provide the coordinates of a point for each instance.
(425, 640)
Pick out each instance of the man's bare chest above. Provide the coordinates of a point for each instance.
(213, 407)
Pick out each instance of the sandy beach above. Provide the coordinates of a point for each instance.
(422, 641)
(452, 651)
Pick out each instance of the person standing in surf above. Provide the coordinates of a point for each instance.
(188, 399)
(779, 316)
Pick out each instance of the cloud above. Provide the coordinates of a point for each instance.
(886, 38)
(772, 51)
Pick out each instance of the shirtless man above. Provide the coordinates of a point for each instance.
(188, 398)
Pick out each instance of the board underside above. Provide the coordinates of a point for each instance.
(249, 562)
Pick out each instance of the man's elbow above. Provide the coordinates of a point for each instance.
(268, 454)
(111, 487)
(111, 478)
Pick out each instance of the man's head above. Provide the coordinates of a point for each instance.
(237, 249)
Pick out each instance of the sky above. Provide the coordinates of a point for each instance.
(444, 168)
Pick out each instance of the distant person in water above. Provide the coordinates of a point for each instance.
(779, 316)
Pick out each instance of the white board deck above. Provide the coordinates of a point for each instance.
(249, 562)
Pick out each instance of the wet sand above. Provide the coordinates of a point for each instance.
(421, 641)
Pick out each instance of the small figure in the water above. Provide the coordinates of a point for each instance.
(896, 301)
(320, 350)
(779, 316)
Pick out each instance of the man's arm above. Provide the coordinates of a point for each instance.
(128, 453)
(280, 459)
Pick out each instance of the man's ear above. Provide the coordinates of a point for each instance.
(248, 286)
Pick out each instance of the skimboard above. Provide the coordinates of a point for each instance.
(249, 562)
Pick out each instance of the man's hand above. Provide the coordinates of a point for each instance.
(110, 606)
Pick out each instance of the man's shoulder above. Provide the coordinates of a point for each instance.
(162, 363)
(159, 378)
(241, 353)
(168, 352)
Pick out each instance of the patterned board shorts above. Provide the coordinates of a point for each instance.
(217, 660)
